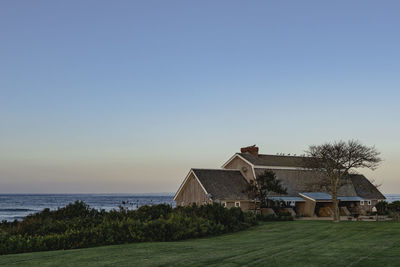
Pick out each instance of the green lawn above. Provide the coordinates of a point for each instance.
(298, 243)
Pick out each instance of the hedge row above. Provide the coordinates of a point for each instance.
(77, 226)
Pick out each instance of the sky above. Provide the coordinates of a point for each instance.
(127, 96)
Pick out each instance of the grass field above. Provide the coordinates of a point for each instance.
(298, 243)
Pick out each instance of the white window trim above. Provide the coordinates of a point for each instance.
(362, 202)
(369, 202)
(237, 204)
(223, 203)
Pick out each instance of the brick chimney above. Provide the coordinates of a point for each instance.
(250, 149)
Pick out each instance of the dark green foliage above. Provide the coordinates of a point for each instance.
(394, 210)
(77, 225)
(284, 216)
(391, 209)
(394, 206)
(266, 184)
(382, 208)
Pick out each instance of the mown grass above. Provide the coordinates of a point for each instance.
(297, 243)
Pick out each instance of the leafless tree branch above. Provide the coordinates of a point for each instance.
(338, 159)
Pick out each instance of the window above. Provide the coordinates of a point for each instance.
(224, 204)
(369, 202)
(290, 203)
(237, 204)
(362, 202)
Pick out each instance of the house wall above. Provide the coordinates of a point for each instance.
(245, 168)
(355, 207)
(300, 208)
(364, 209)
(192, 192)
(230, 204)
(245, 205)
(309, 208)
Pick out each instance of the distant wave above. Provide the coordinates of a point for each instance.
(16, 210)
(392, 197)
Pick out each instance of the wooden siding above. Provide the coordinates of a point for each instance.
(300, 208)
(309, 208)
(364, 209)
(238, 164)
(192, 192)
(245, 205)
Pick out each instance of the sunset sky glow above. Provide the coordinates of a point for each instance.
(127, 96)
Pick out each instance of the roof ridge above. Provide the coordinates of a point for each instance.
(215, 169)
(272, 155)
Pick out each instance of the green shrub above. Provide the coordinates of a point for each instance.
(77, 226)
(394, 206)
(394, 210)
(382, 208)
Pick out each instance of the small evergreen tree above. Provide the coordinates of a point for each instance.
(382, 207)
(265, 185)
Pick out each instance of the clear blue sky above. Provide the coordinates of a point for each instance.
(127, 96)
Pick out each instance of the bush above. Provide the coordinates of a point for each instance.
(394, 206)
(382, 208)
(77, 226)
(394, 210)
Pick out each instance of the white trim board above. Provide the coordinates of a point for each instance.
(261, 166)
(309, 198)
(198, 180)
(234, 156)
(185, 181)
(279, 167)
(315, 200)
(245, 160)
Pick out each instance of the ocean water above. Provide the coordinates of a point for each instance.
(392, 197)
(17, 206)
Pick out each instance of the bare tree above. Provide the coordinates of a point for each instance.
(338, 159)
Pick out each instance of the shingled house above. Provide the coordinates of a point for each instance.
(307, 189)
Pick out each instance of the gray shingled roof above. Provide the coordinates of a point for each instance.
(297, 181)
(364, 188)
(274, 160)
(223, 184)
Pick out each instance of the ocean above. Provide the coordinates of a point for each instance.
(17, 206)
